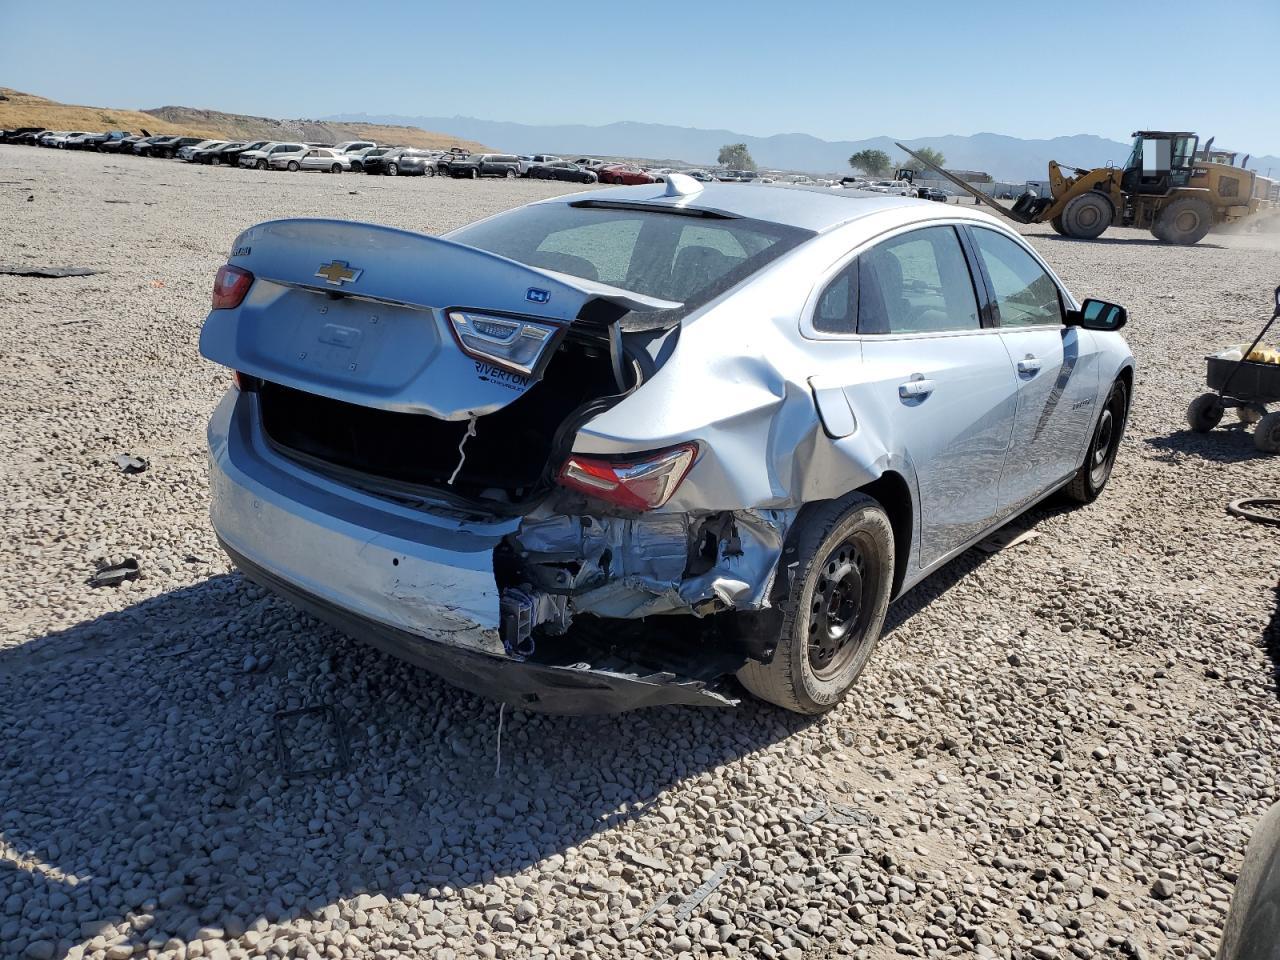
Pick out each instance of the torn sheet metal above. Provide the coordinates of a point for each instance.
(639, 567)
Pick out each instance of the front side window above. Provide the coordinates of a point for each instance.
(1025, 294)
(917, 282)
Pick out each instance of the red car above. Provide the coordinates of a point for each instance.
(627, 173)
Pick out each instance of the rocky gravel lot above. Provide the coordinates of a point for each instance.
(1058, 751)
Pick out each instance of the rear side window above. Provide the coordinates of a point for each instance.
(916, 283)
(1025, 294)
(837, 309)
(670, 256)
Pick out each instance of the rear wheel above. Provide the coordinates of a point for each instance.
(1184, 221)
(336, 168)
(428, 170)
(475, 173)
(393, 170)
(510, 174)
(1085, 217)
(1101, 456)
(293, 166)
(834, 608)
(1205, 412)
(1056, 223)
(215, 161)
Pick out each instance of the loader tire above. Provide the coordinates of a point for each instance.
(1185, 221)
(1085, 217)
(1058, 228)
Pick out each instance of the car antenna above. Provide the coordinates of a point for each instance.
(681, 185)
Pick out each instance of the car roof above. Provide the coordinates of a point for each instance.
(810, 208)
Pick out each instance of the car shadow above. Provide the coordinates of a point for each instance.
(175, 802)
(1228, 443)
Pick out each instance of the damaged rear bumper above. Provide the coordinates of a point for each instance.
(540, 687)
(420, 588)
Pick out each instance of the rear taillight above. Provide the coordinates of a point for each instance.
(230, 286)
(638, 483)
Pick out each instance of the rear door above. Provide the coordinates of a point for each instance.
(935, 380)
(1055, 366)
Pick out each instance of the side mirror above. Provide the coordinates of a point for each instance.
(1101, 315)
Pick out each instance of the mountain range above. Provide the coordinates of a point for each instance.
(1004, 157)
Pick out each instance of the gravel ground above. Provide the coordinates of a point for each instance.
(1058, 750)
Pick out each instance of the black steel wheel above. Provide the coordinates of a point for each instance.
(842, 553)
(1205, 412)
(1103, 447)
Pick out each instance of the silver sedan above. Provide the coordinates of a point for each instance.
(615, 449)
(310, 158)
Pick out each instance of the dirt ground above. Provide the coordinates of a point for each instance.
(1057, 751)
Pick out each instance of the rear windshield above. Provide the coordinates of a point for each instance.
(690, 259)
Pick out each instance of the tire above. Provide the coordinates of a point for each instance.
(393, 170)
(510, 174)
(1086, 217)
(1205, 412)
(215, 161)
(475, 173)
(1058, 228)
(357, 166)
(1185, 221)
(336, 168)
(428, 171)
(261, 164)
(838, 549)
(1094, 473)
(1266, 435)
(293, 166)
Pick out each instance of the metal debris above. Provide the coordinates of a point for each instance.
(1004, 538)
(115, 574)
(128, 463)
(694, 900)
(648, 862)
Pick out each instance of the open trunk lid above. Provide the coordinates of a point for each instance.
(359, 313)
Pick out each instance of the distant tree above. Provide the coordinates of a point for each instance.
(736, 156)
(933, 156)
(874, 163)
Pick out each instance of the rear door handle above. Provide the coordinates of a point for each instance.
(915, 388)
(1028, 365)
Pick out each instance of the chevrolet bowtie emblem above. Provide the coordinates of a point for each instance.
(338, 272)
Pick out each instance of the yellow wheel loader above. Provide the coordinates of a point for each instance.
(1165, 186)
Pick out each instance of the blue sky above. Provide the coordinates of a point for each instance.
(835, 70)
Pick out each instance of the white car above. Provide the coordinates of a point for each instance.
(352, 146)
(261, 158)
(325, 159)
(533, 160)
(894, 188)
(184, 153)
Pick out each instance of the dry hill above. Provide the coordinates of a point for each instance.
(28, 110)
(243, 127)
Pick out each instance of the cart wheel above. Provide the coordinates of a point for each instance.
(1251, 413)
(1205, 412)
(1266, 436)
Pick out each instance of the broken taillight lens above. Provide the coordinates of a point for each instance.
(230, 286)
(643, 483)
